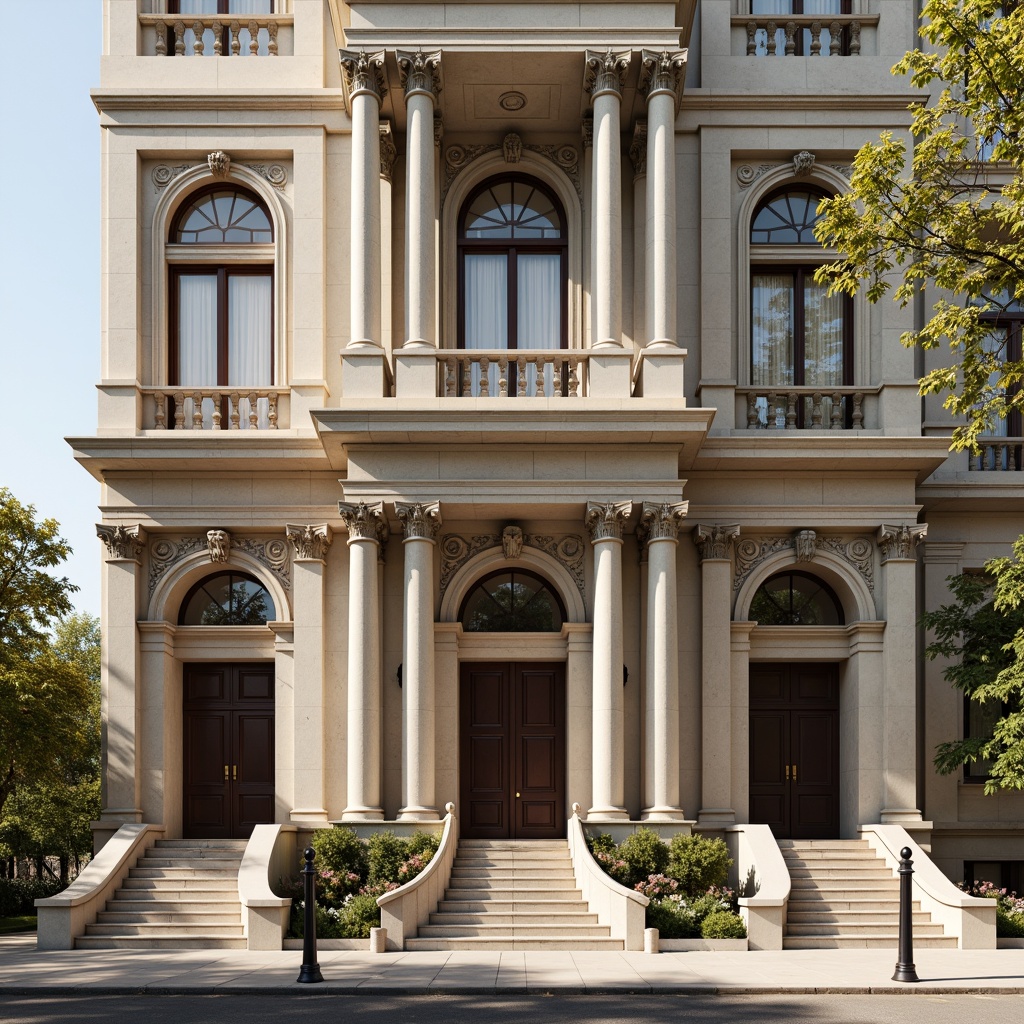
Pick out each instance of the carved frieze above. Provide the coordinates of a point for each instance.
(309, 540)
(604, 520)
(273, 173)
(900, 541)
(802, 164)
(457, 157)
(752, 551)
(715, 541)
(163, 174)
(365, 522)
(122, 541)
(165, 552)
(420, 519)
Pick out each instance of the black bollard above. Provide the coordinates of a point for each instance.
(905, 970)
(309, 972)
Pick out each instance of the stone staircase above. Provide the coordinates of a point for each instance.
(513, 895)
(183, 894)
(845, 897)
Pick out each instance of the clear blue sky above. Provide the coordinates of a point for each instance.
(49, 270)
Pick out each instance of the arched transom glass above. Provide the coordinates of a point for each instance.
(227, 599)
(223, 216)
(512, 209)
(796, 599)
(512, 601)
(787, 219)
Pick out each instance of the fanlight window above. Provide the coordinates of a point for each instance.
(512, 602)
(224, 216)
(227, 599)
(796, 599)
(788, 219)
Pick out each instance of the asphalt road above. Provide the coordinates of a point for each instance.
(626, 1009)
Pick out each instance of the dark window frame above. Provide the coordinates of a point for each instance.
(1013, 323)
(513, 572)
(232, 575)
(823, 587)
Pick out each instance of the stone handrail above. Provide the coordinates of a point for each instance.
(62, 918)
(843, 40)
(172, 32)
(404, 909)
(269, 855)
(970, 918)
(784, 400)
(621, 910)
(760, 865)
(169, 407)
(998, 455)
(513, 365)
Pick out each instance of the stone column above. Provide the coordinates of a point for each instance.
(310, 544)
(421, 522)
(388, 155)
(659, 527)
(899, 673)
(638, 156)
(715, 545)
(367, 530)
(421, 79)
(587, 140)
(120, 673)
(603, 79)
(605, 522)
(661, 79)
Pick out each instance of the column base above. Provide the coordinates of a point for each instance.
(362, 814)
(662, 814)
(310, 815)
(416, 813)
(900, 815)
(716, 816)
(608, 814)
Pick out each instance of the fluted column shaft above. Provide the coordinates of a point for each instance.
(421, 525)
(605, 524)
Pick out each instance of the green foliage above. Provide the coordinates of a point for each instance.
(602, 842)
(672, 919)
(1009, 926)
(698, 863)
(982, 635)
(387, 853)
(18, 895)
(723, 924)
(358, 916)
(645, 853)
(341, 861)
(954, 218)
(423, 844)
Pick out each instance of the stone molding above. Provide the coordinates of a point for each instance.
(122, 541)
(802, 164)
(388, 151)
(363, 72)
(218, 543)
(856, 551)
(661, 522)
(900, 542)
(662, 72)
(638, 150)
(165, 552)
(605, 72)
(420, 72)
(309, 541)
(421, 520)
(715, 541)
(605, 520)
(565, 158)
(365, 522)
(163, 174)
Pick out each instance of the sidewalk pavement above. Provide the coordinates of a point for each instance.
(24, 970)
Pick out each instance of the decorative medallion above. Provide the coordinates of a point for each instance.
(274, 173)
(163, 174)
(511, 101)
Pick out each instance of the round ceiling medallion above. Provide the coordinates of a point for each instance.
(512, 101)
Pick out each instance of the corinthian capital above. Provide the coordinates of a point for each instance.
(604, 520)
(715, 541)
(662, 72)
(364, 72)
(122, 541)
(364, 522)
(309, 541)
(420, 520)
(604, 72)
(420, 72)
(900, 541)
(661, 522)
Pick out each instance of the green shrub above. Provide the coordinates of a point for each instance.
(1009, 926)
(422, 844)
(698, 863)
(18, 895)
(645, 854)
(386, 853)
(341, 863)
(672, 919)
(723, 924)
(714, 901)
(601, 843)
(358, 916)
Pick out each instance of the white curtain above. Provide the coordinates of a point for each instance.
(249, 339)
(197, 337)
(486, 309)
(539, 310)
(771, 339)
(823, 345)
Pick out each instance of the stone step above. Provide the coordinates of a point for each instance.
(891, 916)
(509, 893)
(881, 873)
(181, 871)
(564, 920)
(864, 942)
(153, 942)
(505, 944)
(819, 905)
(516, 873)
(513, 931)
(512, 906)
(512, 844)
(503, 883)
(216, 884)
(843, 856)
(220, 864)
(823, 844)
(166, 897)
(198, 917)
(854, 928)
(201, 844)
(835, 864)
(165, 931)
(844, 884)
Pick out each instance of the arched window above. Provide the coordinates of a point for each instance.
(227, 599)
(513, 277)
(801, 337)
(220, 253)
(796, 599)
(512, 601)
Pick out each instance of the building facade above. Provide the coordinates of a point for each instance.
(472, 429)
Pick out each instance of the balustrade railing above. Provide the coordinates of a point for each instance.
(804, 408)
(211, 35)
(998, 455)
(215, 408)
(803, 35)
(504, 373)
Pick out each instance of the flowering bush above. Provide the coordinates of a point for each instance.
(657, 886)
(1009, 907)
(614, 866)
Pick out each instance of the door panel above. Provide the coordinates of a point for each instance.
(512, 750)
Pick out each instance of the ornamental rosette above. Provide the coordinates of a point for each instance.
(605, 520)
(420, 520)
(309, 541)
(364, 522)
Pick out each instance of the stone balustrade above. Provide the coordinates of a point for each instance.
(998, 455)
(213, 35)
(822, 408)
(214, 408)
(803, 35)
(504, 373)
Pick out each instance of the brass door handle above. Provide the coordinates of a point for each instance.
(225, 773)
(517, 796)
(794, 773)
(787, 773)
(234, 773)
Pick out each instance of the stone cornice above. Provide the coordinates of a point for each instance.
(364, 521)
(421, 520)
(604, 520)
(605, 72)
(122, 541)
(310, 541)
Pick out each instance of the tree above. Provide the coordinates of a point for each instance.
(42, 694)
(954, 218)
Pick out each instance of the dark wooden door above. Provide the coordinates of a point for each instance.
(512, 750)
(794, 749)
(228, 750)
